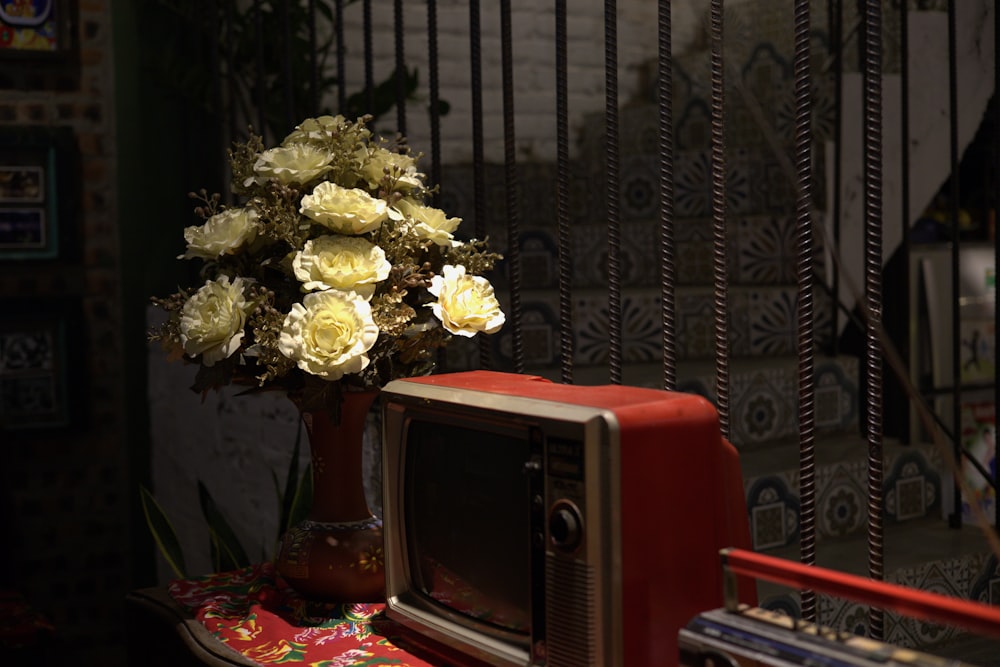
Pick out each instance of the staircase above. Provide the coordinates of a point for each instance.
(920, 550)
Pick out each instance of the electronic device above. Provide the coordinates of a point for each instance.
(741, 635)
(751, 637)
(528, 522)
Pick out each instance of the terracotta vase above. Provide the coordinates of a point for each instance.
(335, 554)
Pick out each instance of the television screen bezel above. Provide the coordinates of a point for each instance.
(595, 426)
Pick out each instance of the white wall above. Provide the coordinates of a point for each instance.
(533, 71)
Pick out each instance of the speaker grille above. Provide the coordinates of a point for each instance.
(570, 615)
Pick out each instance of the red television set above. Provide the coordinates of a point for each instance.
(528, 522)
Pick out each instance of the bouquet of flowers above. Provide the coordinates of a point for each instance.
(334, 274)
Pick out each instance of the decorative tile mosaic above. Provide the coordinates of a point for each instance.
(836, 393)
(774, 512)
(642, 337)
(912, 487)
(841, 502)
(761, 409)
(842, 614)
(953, 577)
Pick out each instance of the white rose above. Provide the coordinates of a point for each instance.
(329, 333)
(341, 262)
(430, 223)
(223, 233)
(402, 167)
(212, 320)
(466, 304)
(295, 163)
(344, 210)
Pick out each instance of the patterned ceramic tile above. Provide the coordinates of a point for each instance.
(638, 259)
(761, 409)
(912, 487)
(841, 505)
(766, 74)
(836, 399)
(842, 614)
(639, 187)
(539, 333)
(693, 183)
(953, 577)
(774, 512)
(694, 126)
(642, 338)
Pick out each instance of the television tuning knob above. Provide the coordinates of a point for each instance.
(565, 527)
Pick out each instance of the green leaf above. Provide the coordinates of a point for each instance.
(302, 498)
(163, 533)
(227, 552)
(292, 482)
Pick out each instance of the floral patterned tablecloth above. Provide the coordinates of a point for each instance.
(255, 613)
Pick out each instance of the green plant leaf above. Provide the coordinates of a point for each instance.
(163, 533)
(302, 498)
(226, 550)
(292, 482)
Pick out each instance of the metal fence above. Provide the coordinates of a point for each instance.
(287, 71)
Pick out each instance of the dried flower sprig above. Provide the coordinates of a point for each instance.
(333, 274)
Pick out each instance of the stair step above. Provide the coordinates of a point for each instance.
(913, 483)
(761, 319)
(924, 555)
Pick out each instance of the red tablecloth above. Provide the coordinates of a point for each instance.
(255, 613)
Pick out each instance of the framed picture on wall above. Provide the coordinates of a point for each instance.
(35, 28)
(35, 193)
(39, 364)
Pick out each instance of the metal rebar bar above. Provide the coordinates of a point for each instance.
(872, 175)
(804, 273)
(369, 57)
(478, 169)
(314, 92)
(612, 190)
(955, 519)
(668, 263)
(719, 259)
(562, 200)
(400, 72)
(341, 56)
(836, 38)
(434, 94)
(511, 187)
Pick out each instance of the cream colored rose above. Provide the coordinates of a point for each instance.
(400, 166)
(223, 233)
(465, 304)
(328, 334)
(292, 164)
(213, 318)
(430, 223)
(344, 210)
(341, 262)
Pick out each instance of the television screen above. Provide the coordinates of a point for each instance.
(477, 562)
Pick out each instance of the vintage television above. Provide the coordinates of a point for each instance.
(533, 523)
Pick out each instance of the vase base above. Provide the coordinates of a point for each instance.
(334, 562)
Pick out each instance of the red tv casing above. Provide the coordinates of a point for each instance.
(676, 499)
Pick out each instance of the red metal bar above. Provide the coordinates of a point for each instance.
(922, 605)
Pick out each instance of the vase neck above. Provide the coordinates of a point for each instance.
(336, 446)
